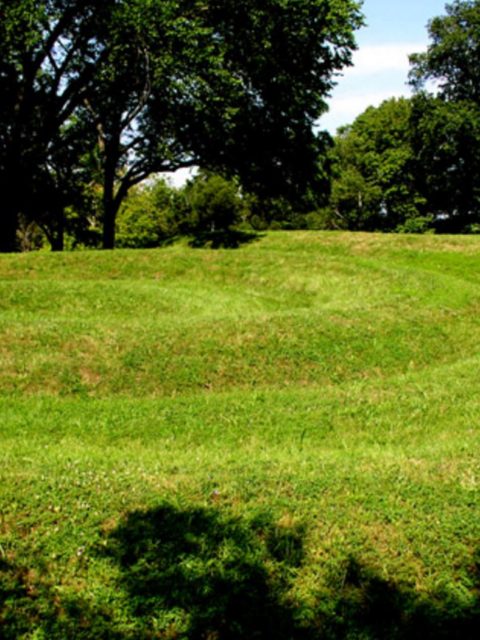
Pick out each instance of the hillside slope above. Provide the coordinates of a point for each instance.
(279, 441)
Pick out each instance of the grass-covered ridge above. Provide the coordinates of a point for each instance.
(279, 441)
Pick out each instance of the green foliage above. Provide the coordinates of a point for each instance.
(29, 236)
(323, 219)
(414, 165)
(421, 224)
(270, 213)
(146, 218)
(279, 213)
(158, 85)
(373, 161)
(446, 142)
(447, 124)
(355, 201)
(451, 57)
(47, 57)
(212, 203)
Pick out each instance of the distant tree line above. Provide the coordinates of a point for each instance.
(413, 165)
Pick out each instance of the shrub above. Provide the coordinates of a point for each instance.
(147, 217)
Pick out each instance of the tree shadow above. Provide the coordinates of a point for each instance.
(31, 608)
(227, 579)
(209, 572)
(369, 606)
(13, 589)
(223, 239)
(203, 574)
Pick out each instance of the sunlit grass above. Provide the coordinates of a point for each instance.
(297, 419)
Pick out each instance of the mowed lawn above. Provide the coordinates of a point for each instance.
(279, 442)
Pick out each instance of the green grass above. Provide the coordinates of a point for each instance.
(279, 441)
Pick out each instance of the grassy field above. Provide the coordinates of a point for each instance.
(275, 442)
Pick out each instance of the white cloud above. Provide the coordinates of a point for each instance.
(373, 59)
(379, 72)
(345, 109)
(355, 104)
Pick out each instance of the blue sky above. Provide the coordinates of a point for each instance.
(394, 30)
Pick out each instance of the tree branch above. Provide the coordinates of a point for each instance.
(53, 36)
(131, 115)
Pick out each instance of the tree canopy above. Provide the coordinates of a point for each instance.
(446, 115)
(412, 164)
(451, 59)
(374, 184)
(154, 85)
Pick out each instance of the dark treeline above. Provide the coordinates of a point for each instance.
(98, 99)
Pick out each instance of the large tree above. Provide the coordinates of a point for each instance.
(446, 145)
(374, 166)
(451, 60)
(49, 53)
(231, 86)
(447, 115)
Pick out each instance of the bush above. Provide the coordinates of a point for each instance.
(211, 204)
(418, 224)
(147, 217)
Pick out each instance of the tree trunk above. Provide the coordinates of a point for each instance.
(109, 214)
(108, 226)
(112, 200)
(108, 200)
(9, 215)
(57, 241)
(8, 231)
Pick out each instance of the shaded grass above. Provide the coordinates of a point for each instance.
(281, 441)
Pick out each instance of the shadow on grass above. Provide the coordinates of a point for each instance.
(371, 607)
(208, 573)
(32, 608)
(220, 578)
(227, 239)
(202, 574)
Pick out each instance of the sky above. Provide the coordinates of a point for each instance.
(380, 65)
